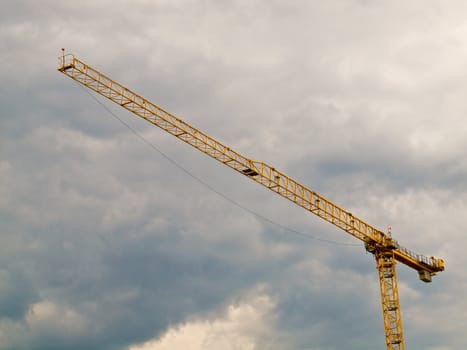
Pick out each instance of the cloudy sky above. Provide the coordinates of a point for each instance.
(109, 243)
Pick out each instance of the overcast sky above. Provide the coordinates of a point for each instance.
(106, 244)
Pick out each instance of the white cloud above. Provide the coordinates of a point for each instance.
(53, 318)
(248, 325)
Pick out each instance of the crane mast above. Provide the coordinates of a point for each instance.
(385, 249)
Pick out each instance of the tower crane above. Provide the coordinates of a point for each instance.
(385, 249)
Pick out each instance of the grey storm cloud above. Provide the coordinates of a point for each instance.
(106, 244)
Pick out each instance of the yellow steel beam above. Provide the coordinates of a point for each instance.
(260, 172)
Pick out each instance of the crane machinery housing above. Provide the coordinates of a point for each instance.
(385, 249)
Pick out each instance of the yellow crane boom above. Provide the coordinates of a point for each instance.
(385, 249)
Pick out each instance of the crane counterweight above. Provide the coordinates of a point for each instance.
(424, 275)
